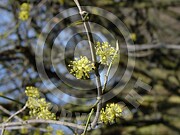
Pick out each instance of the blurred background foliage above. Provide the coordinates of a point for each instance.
(150, 22)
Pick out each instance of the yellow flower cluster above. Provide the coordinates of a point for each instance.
(111, 112)
(7, 132)
(81, 67)
(39, 108)
(61, 2)
(50, 131)
(24, 131)
(133, 36)
(59, 132)
(105, 52)
(32, 92)
(24, 11)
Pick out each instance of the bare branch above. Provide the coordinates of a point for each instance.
(26, 127)
(150, 46)
(10, 124)
(21, 110)
(110, 65)
(9, 113)
(93, 55)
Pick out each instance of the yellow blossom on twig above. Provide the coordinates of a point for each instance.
(111, 112)
(81, 67)
(24, 11)
(105, 52)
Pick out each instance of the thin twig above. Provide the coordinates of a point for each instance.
(93, 55)
(21, 110)
(110, 65)
(10, 124)
(88, 120)
(26, 127)
(19, 119)
(9, 113)
(11, 99)
(5, 8)
(150, 46)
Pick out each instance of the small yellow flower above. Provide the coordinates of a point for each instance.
(23, 15)
(59, 132)
(42, 103)
(61, 2)
(24, 11)
(25, 7)
(111, 112)
(32, 92)
(6, 132)
(105, 52)
(103, 116)
(133, 36)
(45, 114)
(39, 108)
(32, 103)
(81, 67)
(36, 132)
(47, 133)
(24, 131)
(49, 129)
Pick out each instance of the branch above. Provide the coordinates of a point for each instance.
(89, 117)
(20, 123)
(5, 8)
(21, 110)
(93, 55)
(16, 117)
(150, 46)
(26, 127)
(11, 99)
(110, 65)
(9, 113)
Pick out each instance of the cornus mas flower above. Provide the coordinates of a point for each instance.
(24, 11)
(32, 92)
(23, 15)
(80, 68)
(25, 7)
(45, 114)
(105, 52)
(103, 116)
(59, 132)
(133, 36)
(111, 112)
(39, 108)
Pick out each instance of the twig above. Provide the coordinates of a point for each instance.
(140, 54)
(10, 124)
(110, 65)
(5, 8)
(90, 114)
(150, 46)
(93, 55)
(89, 117)
(16, 117)
(21, 110)
(26, 127)
(11, 99)
(9, 113)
